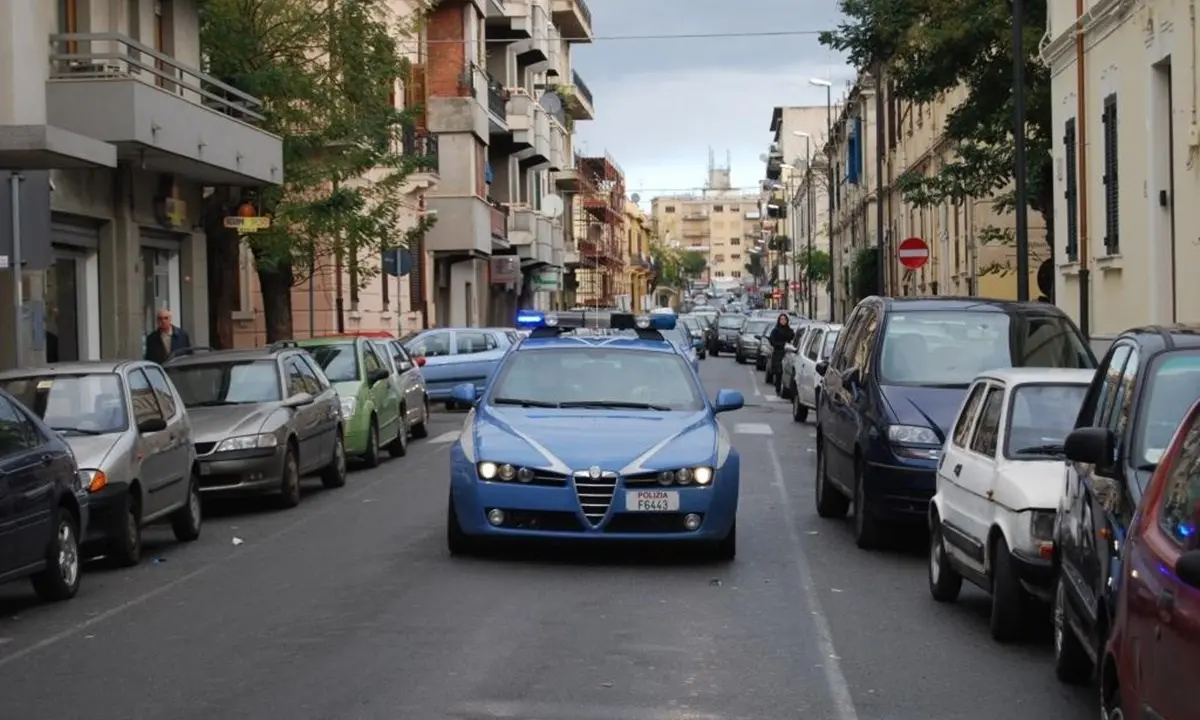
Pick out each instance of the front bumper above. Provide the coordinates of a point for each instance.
(900, 488)
(554, 512)
(357, 434)
(106, 513)
(242, 472)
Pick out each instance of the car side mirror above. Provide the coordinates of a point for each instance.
(822, 367)
(1187, 568)
(299, 400)
(377, 375)
(152, 425)
(1091, 445)
(728, 400)
(420, 360)
(403, 365)
(464, 393)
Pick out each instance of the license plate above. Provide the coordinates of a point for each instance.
(651, 500)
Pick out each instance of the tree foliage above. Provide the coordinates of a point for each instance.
(932, 47)
(815, 265)
(675, 266)
(327, 72)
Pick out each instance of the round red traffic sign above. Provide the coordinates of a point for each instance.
(913, 253)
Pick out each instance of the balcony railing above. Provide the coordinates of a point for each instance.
(580, 86)
(497, 95)
(423, 148)
(112, 56)
(499, 221)
(585, 12)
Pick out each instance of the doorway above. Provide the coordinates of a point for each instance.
(161, 290)
(72, 307)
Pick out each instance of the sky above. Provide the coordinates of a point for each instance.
(661, 104)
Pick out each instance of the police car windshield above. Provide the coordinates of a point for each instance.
(597, 377)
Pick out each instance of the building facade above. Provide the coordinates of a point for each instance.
(1124, 105)
(637, 269)
(113, 136)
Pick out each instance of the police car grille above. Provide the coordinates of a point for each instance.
(595, 494)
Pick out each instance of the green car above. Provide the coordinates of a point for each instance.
(371, 406)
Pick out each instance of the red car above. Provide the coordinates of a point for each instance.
(1149, 670)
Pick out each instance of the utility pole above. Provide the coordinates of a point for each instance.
(1019, 190)
(17, 264)
(879, 141)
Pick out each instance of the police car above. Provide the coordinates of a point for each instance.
(594, 437)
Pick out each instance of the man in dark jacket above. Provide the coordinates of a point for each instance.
(165, 339)
(781, 335)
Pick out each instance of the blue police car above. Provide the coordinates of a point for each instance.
(596, 437)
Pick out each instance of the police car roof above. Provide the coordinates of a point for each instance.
(609, 342)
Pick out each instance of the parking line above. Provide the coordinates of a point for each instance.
(754, 382)
(843, 702)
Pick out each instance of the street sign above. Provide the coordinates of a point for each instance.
(247, 224)
(397, 262)
(795, 284)
(913, 253)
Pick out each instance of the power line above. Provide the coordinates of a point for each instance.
(677, 36)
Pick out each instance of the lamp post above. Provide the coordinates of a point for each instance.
(829, 177)
(1021, 209)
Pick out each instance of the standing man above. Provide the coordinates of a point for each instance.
(165, 339)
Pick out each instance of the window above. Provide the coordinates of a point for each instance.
(312, 384)
(162, 390)
(962, 427)
(295, 378)
(371, 361)
(830, 340)
(400, 357)
(1123, 398)
(735, 256)
(82, 403)
(225, 383)
(1112, 378)
(1171, 389)
(719, 258)
(318, 374)
(669, 209)
(812, 344)
(718, 208)
(339, 361)
(145, 404)
(1039, 418)
(735, 241)
(1181, 499)
(1072, 191)
(469, 343)
(1112, 196)
(988, 429)
(434, 344)
(16, 432)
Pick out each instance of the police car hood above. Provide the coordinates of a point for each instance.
(625, 441)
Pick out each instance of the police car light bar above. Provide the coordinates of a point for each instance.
(535, 319)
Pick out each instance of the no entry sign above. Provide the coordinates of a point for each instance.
(913, 253)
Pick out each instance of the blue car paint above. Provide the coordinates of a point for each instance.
(443, 372)
(571, 440)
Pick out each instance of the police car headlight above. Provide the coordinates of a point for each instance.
(683, 477)
(488, 470)
(505, 472)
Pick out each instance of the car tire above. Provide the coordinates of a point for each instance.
(1009, 599)
(1072, 664)
(799, 410)
(333, 475)
(726, 547)
(289, 483)
(398, 447)
(126, 549)
(420, 430)
(457, 541)
(831, 503)
(737, 358)
(187, 521)
(371, 457)
(716, 352)
(59, 580)
(945, 583)
(1110, 703)
(868, 530)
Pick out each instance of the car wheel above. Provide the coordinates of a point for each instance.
(1072, 664)
(59, 580)
(726, 547)
(799, 411)
(945, 583)
(334, 474)
(126, 548)
(831, 503)
(187, 520)
(867, 529)
(399, 446)
(371, 457)
(1110, 704)
(457, 541)
(421, 430)
(289, 484)
(716, 352)
(1009, 599)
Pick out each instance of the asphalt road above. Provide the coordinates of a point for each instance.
(349, 608)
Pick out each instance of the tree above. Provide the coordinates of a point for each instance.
(931, 47)
(692, 264)
(815, 265)
(676, 267)
(327, 73)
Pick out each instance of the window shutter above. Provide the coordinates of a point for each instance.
(415, 97)
(1072, 191)
(1112, 196)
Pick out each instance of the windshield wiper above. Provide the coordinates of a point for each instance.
(524, 402)
(613, 404)
(1048, 449)
(81, 431)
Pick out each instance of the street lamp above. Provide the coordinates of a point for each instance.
(818, 82)
(809, 211)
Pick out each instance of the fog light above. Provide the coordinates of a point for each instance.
(496, 517)
(525, 475)
(691, 521)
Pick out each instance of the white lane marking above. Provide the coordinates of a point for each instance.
(754, 382)
(446, 437)
(753, 429)
(838, 687)
(518, 710)
(221, 562)
(773, 398)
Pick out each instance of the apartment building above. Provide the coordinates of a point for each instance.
(112, 133)
(595, 260)
(968, 253)
(721, 222)
(634, 283)
(1134, 116)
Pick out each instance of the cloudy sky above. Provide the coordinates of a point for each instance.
(661, 104)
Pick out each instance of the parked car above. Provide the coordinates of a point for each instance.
(991, 520)
(1142, 390)
(409, 383)
(43, 504)
(458, 355)
(1149, 665)
(370, 403)
(132, 439)
(894, 383)
(729, 329)
(817, 346)
(263, 419)
(750, 334)
(699, 332)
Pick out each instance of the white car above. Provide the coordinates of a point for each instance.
(999, 481)
(814, 347)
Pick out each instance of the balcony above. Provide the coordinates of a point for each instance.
(422, 150)
(579, 100)
(518, 115)
(512, 22)
(162, 116)
(558, 141)
(536, 49)
(466, 227)
(574, 19)
(537, 157)
(499, 221)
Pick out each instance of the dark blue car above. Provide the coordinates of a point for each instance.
(894, 383)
